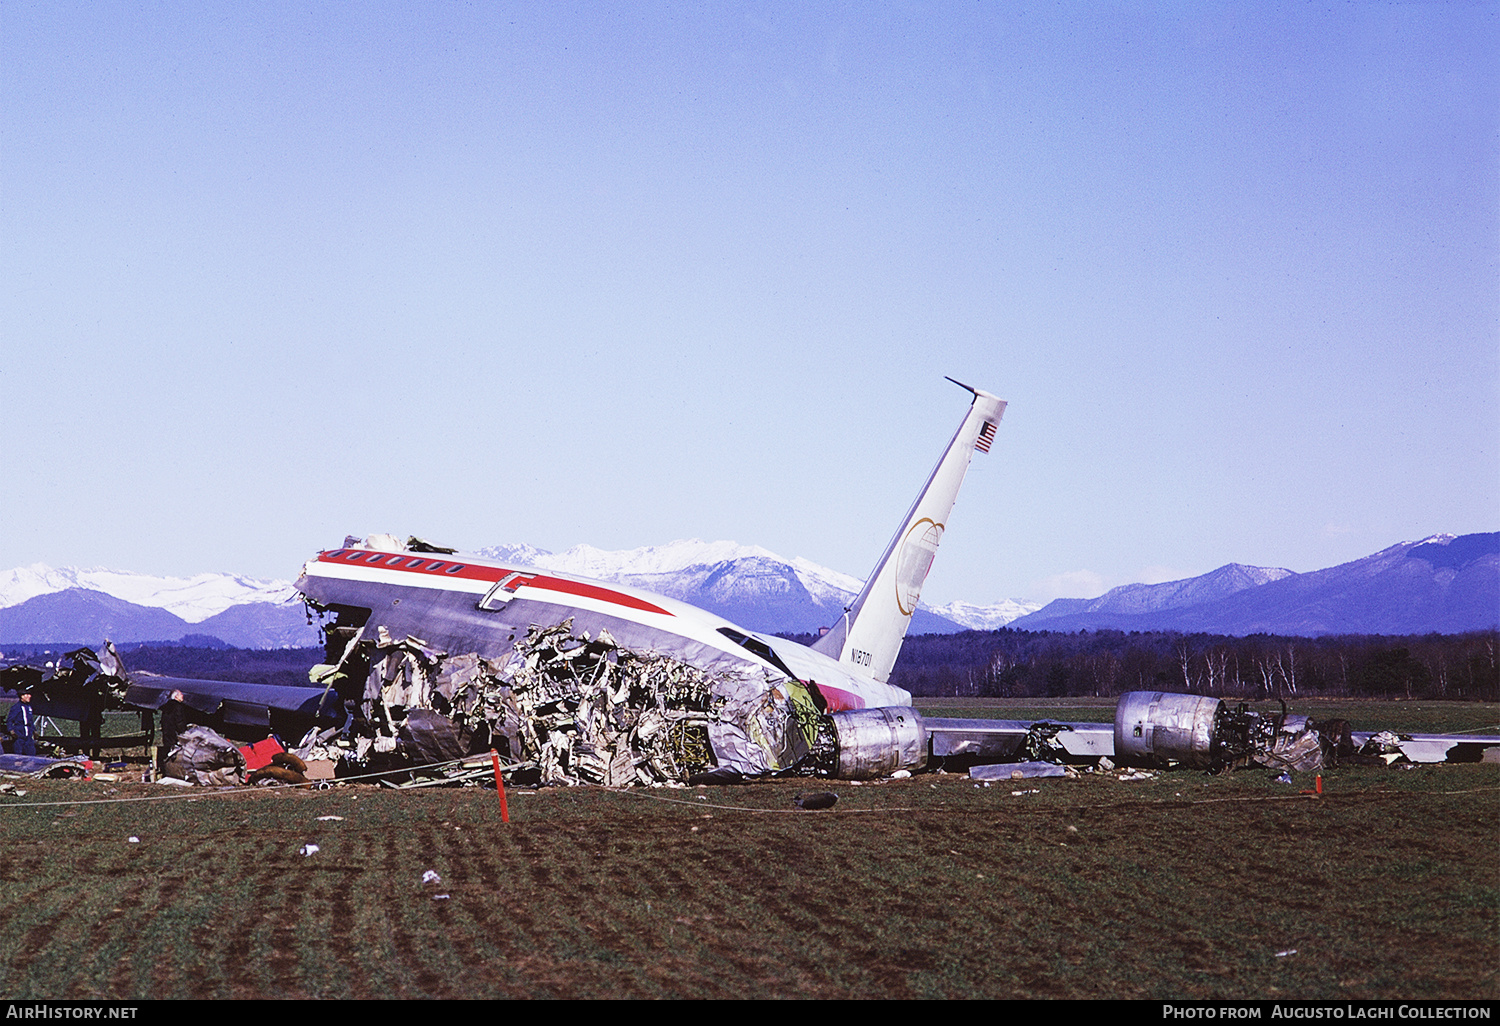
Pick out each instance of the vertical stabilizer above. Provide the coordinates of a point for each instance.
(870, 633)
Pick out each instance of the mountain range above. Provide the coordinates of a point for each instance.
(1442, 583)
(745, 584)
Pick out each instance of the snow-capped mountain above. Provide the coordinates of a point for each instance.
(747, 584)
(986, 618)
(1442, 584)
(1139, 599)
(661, 561)
(743, 583)
(42, 605)
(193, 599)
(602, 565)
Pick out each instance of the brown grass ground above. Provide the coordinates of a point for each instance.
(1183, 886)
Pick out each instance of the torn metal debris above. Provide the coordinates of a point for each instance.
(581, 709)
(1017, 771)
(79, 686)
(41, 767)
(204, 757)
(563, 706)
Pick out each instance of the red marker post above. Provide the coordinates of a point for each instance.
(499, 786)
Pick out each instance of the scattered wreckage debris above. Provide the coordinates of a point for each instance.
(1040, 745)
(206, 758)
(42, 767)
(79, 686)
(568, 709)
(1163, 729)
(471, 772)
(1384, 746)
(80, 679)
(561, 708)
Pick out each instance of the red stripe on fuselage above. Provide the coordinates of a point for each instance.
(838, 700)
(428, 566)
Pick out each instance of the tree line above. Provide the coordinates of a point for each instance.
(1009, 663)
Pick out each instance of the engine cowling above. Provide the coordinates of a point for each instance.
(875, 743)
(1157, 727)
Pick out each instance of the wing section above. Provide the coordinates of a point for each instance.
(256, 706)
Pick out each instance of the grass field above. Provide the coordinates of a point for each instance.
(1388, 886)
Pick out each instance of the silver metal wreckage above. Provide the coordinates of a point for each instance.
(432, 656)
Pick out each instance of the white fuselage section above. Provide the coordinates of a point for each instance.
(464, 603)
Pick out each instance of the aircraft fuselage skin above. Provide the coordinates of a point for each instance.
(776, 701)
(461, 604)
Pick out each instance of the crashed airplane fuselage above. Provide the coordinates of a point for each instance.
(433, 655)
(766, 690)
(774, 702)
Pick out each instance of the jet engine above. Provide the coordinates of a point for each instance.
(873, 743)
(1156, 727)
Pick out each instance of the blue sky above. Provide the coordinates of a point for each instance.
(621, 274)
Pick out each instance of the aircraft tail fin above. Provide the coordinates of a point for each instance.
(870, 633)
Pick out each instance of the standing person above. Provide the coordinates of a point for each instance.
(21, 722)
(174, 720)
(91, 727)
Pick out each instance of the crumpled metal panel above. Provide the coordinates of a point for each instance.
(203, 756)
(1017, 771)
(777, 718)
(431, 737)
(586, 709)
(1302, 752)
